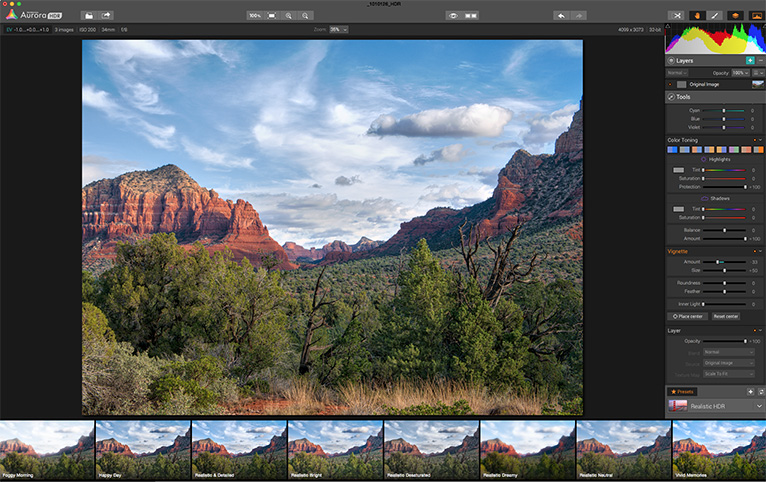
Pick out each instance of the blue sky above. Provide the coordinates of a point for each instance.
(431, 436)
(238, 436)
(333, 139)
(717, 435)
(527, 437)
(623, 437)
(46, 436)
(334, 436)
(141, 436)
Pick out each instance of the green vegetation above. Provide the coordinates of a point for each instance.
(251, 467)
(534, 468)
(63, 467)
(463, 466)
(440, 408)
(637, 467)
(351, 467)
(734, 467)
(169, 331)
(157, 467)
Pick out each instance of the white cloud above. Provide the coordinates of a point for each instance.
(451, 153)
(544, 129)
(456, 195)
(477, 120)
(215, 158)
(158, 136)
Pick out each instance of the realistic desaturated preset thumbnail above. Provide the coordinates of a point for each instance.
(332, 227)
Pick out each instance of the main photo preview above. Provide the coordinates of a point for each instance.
(343, 227)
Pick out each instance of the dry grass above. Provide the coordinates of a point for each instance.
(365, 400)
(303, 396)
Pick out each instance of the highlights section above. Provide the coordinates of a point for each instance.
(626, 450)
(335, 449)
(47, 450)
(244, 449)
(518, 449)
(143, 450)
(719, 450)
(423, 449)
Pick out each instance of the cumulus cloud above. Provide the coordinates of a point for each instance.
(477, 120)
(645, 430)
(546, 128)
(455, 195)
(164, 430)
(347, 181)
(357, 430)
(316, 186)
(451, 153)
(260, 430)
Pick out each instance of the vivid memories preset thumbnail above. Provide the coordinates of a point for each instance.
(332, 227)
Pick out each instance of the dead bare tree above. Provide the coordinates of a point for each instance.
(314, 322)
(504, 271)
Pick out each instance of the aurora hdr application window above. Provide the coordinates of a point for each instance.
(360, 240)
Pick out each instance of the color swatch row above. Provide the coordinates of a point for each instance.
(715, 149)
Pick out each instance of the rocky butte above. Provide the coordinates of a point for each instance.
(208, 445)
(401, 445)
(138, 204)
(689, 445)
(303, 445)
(593, 445)
(16, 445)
(112, 445)
(497, 445)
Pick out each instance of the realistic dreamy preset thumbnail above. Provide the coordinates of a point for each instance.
(143, 450)
(625, 450)
(240, 450)
(47, 450)
(532, 450)
(332, 227)
(719, 450)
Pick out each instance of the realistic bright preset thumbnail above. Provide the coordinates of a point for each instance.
(332, 227)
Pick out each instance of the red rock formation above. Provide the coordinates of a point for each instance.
(16, 445)
(373, 443)
(277, 443)
(208, 445)
(756, 445)
(86, 442)
(593, 445)
(689, 445)
(538, 188)
(303, 445)
(295, 251)
(140, 203)
(111, 445)
(497, 445)
(401, 445)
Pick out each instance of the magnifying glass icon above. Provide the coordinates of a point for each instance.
(289, 16)
(305, 16)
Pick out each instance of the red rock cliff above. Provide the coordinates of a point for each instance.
(208, 445)
(401, 445)
(16, 445)
(111, 445)
(593, 445)
(497, 445)
(689, 445)
(140, 203)
(304, 445)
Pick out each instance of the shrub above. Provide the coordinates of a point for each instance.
(460, 407)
